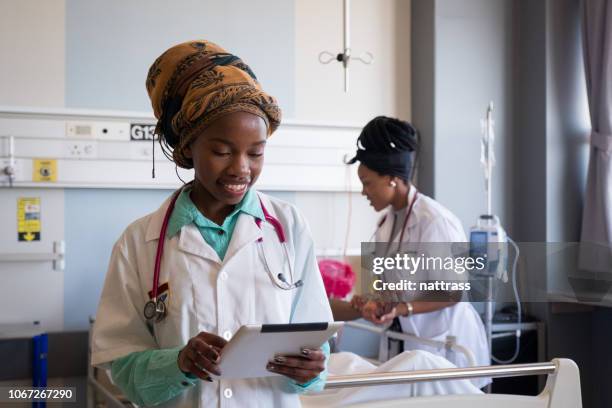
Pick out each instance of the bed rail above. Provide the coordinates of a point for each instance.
(514, 370)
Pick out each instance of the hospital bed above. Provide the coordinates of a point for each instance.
(562, 388)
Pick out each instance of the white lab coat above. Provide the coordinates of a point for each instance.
(432, 222)
(206, 294)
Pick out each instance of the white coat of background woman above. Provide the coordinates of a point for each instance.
(386, 150)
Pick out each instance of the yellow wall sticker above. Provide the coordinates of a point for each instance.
(28, 219)
(44, 170)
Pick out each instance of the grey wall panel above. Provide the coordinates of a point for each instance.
(473, 67)
(423, 88)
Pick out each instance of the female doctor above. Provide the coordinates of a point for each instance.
(215, 256)
(386, 148)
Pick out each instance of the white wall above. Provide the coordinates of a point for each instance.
(381, 27)
(32, 36)
(32, 291)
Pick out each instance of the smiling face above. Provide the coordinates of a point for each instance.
(376, 188)
(227, 158)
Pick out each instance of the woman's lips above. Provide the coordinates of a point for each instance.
(237, 189)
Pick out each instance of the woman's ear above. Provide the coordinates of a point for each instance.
(402, 182)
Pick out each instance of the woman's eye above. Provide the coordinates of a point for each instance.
(256, 154)
(219, 153)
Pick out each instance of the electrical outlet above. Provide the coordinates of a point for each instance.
(79, 149)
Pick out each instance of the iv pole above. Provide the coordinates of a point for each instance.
(325, 57)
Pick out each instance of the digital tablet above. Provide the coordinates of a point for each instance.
(253, 346)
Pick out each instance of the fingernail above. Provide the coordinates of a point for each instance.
(269, 367)
(279, 359)
(209, 379)
(305, 352)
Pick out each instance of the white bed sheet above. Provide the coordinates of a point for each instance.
(345, 363)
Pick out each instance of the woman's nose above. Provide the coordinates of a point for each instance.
(240, 166)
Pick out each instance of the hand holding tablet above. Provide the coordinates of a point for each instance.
(254, 348)
(301, 368)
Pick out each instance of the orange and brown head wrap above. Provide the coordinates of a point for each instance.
(193, 84)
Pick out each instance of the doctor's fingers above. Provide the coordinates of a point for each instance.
(299, 363)
(300, 375)
(193, 369)
(212, 339)
(204, 348)
(371, 314)
(200, 363)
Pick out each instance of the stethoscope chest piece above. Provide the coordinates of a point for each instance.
(155, 310)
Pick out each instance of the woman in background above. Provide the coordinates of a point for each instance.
(386, 150)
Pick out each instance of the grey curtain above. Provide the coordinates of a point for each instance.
(597, 216)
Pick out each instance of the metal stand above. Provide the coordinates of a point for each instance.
(488, 320)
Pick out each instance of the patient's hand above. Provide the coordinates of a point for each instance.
(380, 312)
(372, 311)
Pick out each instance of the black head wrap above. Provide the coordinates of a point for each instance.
(387, 146)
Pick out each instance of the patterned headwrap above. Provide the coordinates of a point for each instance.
(194, 83)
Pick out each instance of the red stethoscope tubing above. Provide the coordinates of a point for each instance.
(160, 245)
(403, 226)
(406, 220)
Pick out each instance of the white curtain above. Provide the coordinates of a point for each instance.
(596, 237)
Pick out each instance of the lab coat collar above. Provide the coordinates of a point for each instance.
(191, 241)
(245, 232)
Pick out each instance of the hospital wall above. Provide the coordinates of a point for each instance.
(95, 55)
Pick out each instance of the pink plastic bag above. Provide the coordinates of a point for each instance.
(338, 278)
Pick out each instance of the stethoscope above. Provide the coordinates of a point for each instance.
(403, 231)
(155, 309)
(401, 239)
